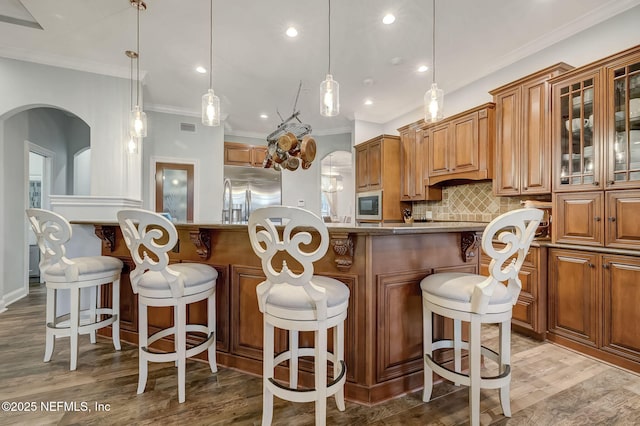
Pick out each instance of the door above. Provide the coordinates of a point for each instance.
(507, 161)
(464, 157)
(439, 150)
(174, 190)
(535, 162)
(623, 219)
(39, 189)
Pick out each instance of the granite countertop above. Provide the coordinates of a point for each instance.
(364, 228)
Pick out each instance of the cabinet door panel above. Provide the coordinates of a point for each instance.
(507, 161)
(573, 300)
(259, 153)
(439, 143)
(399, 311)
(465, 144)
(362, 168)
(237, 154)
(375, 166)
(408, 164)
(621, 301)
(578, 218)
(535, 165)
(623, 219)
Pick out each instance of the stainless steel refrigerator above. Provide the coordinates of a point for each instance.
(248, 188)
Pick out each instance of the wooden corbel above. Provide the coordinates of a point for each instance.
(107, 234)
(342, 245)
(468, 245)
(201, 238)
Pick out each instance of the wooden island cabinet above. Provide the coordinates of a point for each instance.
(382, 266)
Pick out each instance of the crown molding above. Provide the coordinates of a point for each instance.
(170, 109)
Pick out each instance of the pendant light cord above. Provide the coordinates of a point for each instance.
(329, 72)
(138, 59)
(211, 46)
(131, 82)
(433, 38)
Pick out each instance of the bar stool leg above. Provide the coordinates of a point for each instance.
(181, 338)
(74, 320)
(320, 373)
(211, 324)
(143, 333)
(427, 349)
(338, 349)
(293, 362)
(267, 373)
(457, 347)
(115, 310)
(93, 303)
(505, 359)
(50, 324)
(474, 371)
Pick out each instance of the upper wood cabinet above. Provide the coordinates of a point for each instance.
(413, 164)
(378, 168)
(596, 125)
(378, 164)
(239, 154)
(461, 147)
(523, 134)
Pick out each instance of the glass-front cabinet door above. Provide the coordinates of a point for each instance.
(576, 133)
(623, 125)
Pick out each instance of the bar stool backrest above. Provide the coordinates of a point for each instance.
(52, 232)
(149, 237)
(296, 241)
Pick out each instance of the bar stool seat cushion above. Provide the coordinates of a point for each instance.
(295, 298)
(197, 278)
(459, 286)
(95, 265)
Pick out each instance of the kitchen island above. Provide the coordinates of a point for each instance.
(381, 264)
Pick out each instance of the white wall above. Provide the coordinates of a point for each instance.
(305, 184)
(166, 141)
(101, 101)
(614, 35)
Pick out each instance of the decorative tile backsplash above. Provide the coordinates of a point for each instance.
(472, 202)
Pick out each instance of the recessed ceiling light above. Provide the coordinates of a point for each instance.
(388, 19)
(423, 68)
(264, 116)
(396, 61)
(368, 102)
(201, 70)
(292, 32)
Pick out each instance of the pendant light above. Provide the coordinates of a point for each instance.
(329, 88)
(137, 117)
(210, 102)
(434, 97)
(132, 144)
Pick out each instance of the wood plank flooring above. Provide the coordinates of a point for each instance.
(550, 386)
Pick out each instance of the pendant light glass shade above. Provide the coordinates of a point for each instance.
(210, 109)
(210, 102)
(329, 88)
(433, 104)
(138, 122)
(434, 97)
(329, 97)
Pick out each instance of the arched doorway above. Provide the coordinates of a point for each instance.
(49, 132)
(336, 184)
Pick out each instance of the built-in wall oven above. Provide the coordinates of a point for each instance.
(369, 205)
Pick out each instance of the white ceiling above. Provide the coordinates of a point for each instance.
(257, 68)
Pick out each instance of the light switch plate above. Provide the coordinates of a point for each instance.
(300, 203)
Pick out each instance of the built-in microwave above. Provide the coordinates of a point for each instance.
(369, 205)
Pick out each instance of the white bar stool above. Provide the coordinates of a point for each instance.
(479, 300)
(149, 237)
(298, 302)
(61, 273)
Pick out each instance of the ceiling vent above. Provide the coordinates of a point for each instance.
(188, 127)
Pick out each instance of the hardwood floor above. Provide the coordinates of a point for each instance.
(550, 386)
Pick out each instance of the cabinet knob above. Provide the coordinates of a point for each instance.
(597, 218)
(605, 265)
(611, 182)
(525, 188)
(591, 265)
(612, 219)
(596, 183)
